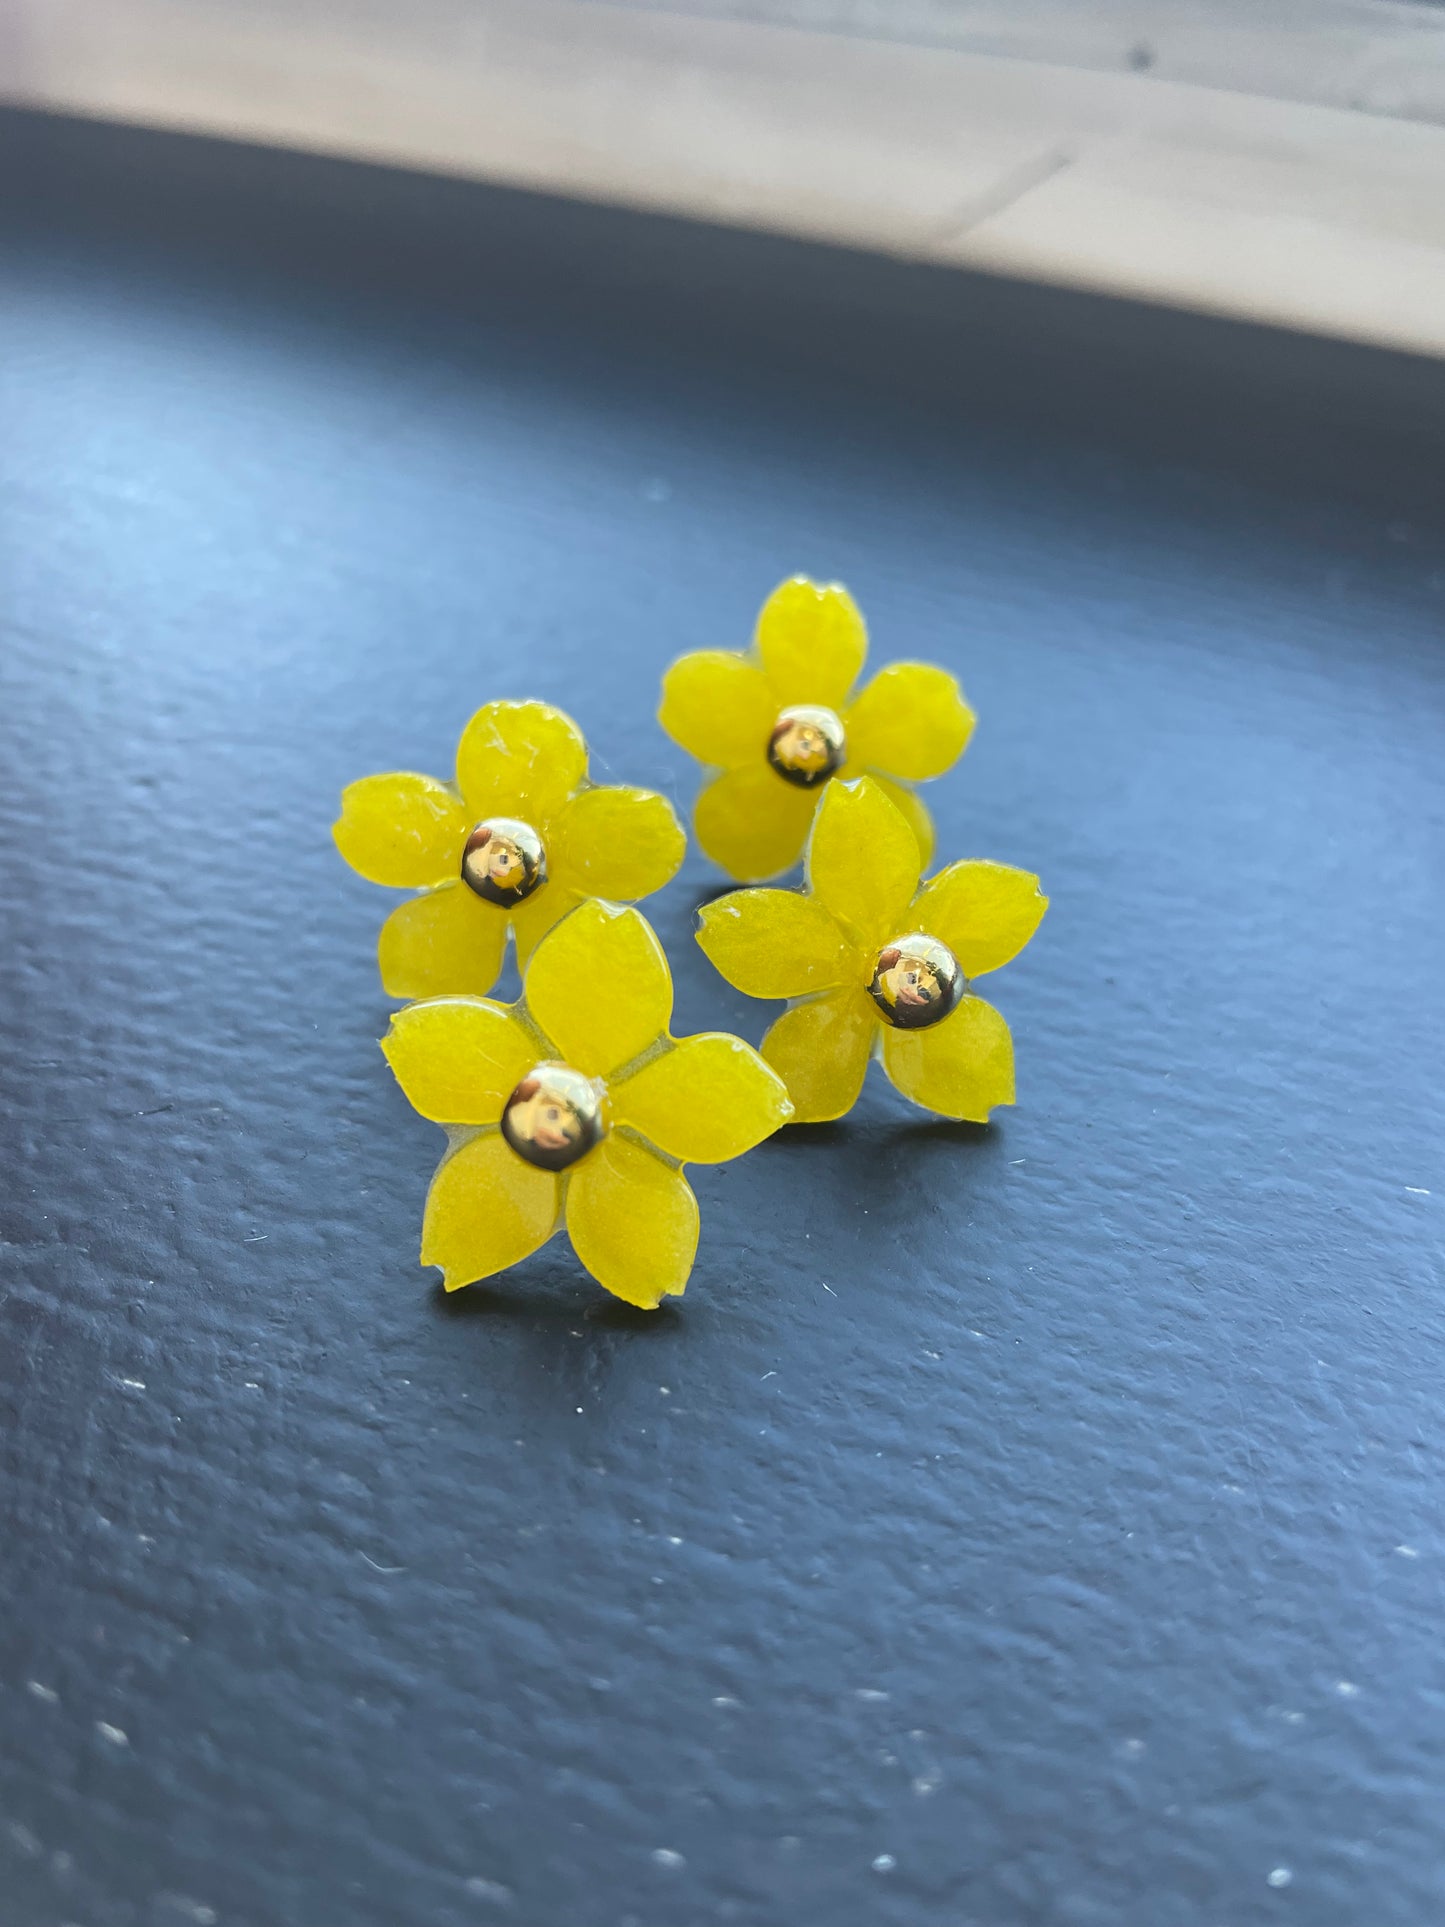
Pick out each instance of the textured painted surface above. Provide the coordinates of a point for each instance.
(1039, 1524)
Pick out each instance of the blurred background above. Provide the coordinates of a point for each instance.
(1282, 160)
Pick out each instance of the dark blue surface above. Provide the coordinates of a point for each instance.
(1032, 1525)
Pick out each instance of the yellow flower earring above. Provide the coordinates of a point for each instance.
(575, 1103)
(776, 723)
(878, 964)
(520, 839)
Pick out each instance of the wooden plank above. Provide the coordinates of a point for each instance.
(1288, 212)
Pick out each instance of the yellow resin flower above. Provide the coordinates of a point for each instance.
(575, 1103)
(879, 963)
(520, 839)
(780, 720)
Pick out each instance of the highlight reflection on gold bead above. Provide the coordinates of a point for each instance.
(554, 1116)
(504, 860)
(916, 981)
(807, 745)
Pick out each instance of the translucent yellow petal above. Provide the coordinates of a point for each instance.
(911, 721)
(719, 707)
(403, 829)
(820, 1050)
(486, 1209)
(812, 642)
(775, 943)
(752, 823)
(617, 843)
(707, 1099)
(633, 1222)
(448, 943)
(598, 986)
(533, 919)
(961, 1067)
(984, 912)
(863, 860)
(916, 811)
(520, 759)
(458, 1059)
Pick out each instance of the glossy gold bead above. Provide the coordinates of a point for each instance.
(554, 1116)
(807, 745)
(916, 981)
(503, 860)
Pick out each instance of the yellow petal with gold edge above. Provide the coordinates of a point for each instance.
(459, 1058)
(820, 1049)
(719, 707)
(617, 843)
(633, 1222)
(520, 759)
(403, 829)
(599, 987)
(753, 824)
(487, 1209)
(812, 642)
(774, 943)
(961, 1068)
(863, 860)
(984, 912)
(448, 943)
(909, 721)
(707, 1099)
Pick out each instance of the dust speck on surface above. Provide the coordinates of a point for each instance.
(182, 1905)
(480, 1888)
(884, 1863)
(1279, 1876)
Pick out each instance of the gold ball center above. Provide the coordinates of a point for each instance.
(555, 1116)
(503, 860)
(807, 745)
(916, 981)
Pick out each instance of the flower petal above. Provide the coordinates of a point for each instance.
(459, 1059)
(487, 1209)
(752, 823)
(520, 759)
(910, 720)
(617, 843)
(533, 919)
(984, 912)
(812, 641)
(707, 1099)
(961, 1067)
(402, 829)
(719, 707)
(820, 1049)
(774, 943)
(598, 986)
(914, 808)
(633, 1222)
(863, 860)
(448, 943)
